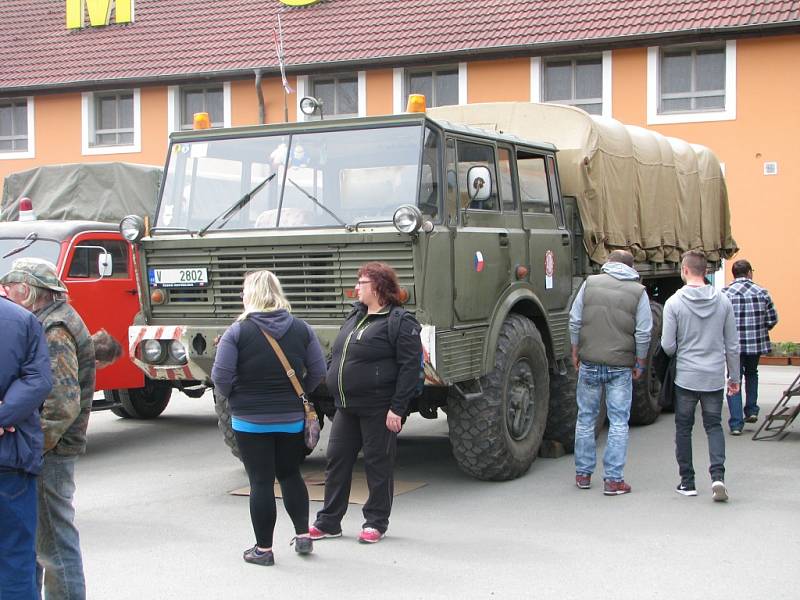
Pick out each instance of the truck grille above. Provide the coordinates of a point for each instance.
(314, 279)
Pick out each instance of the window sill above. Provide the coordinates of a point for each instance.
(691, 117)
(100, 150)
(17, 155)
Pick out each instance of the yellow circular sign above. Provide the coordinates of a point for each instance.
(299, 2)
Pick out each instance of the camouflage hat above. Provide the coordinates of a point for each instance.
(36, 272)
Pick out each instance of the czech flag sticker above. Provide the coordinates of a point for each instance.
(479, 264)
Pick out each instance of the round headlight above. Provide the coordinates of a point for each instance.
(407, 219)
(177, 351)
(132, 228)
(152, 351)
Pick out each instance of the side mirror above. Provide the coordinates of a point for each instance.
(104, 267)
(479, 184)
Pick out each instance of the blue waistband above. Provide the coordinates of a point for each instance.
(248, 427)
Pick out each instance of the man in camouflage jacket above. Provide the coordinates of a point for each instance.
(34, 284)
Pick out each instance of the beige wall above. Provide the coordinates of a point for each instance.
(767, 125)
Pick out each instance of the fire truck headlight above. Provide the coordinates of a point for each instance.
(177, 352)
(153, 351)
(407, 219)
(132, 228)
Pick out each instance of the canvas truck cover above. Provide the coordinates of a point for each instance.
(636, 189)
(92, 191)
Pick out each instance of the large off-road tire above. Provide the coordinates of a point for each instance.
(497, 436)
(563, 413)
(645, 407)
(142, 403)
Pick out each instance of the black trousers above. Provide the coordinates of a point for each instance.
(355, 429)
(265, 456)
(711, 407)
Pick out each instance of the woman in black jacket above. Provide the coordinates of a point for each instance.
(267, 416)
(373, 376)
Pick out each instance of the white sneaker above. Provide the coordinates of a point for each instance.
(719, 492)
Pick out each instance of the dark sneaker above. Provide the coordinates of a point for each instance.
(257, 557)
(686, 489)
(317, 534)
(719, 492)
(616, 488)
(303, 545)
(751, 419)
(736, 432)
(370, 535)
(583, 481)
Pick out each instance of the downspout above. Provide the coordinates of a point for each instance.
(260, 95)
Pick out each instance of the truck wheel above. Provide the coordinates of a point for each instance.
(563, 412)
(143, 403)
(112, 397)
(224, 424)
(497, 436)
(645, 407)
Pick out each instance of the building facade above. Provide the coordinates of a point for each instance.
(103, 80)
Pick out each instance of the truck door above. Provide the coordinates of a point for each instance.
(543, 218)
(481, 246)
(108, 303)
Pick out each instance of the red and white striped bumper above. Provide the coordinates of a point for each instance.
(137, 334)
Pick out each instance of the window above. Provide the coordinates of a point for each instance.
(691, 84)
(429, 181)
(506, 181)
(201, 99)
(692, 79)
(113, 119)
(471, 155)
(339, 94)
(533, 192)
(86, 255)
(439, 86)
(14, 125)
(576, 81)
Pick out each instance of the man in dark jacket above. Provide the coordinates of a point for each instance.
(25, 381)
(34, 284)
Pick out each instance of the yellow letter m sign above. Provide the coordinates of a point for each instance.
(99, 12)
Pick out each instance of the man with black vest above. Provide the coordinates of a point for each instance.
(609, 327)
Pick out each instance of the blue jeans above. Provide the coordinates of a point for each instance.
(618, 385)
(17, 535)
(58, 551)
(748, 365)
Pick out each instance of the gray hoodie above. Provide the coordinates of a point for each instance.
(700, 328)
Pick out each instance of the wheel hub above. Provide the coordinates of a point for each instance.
(520, 400)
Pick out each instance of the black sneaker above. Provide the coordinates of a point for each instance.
(257, 557)
(736, 432)
(686, 489)
(751, 419)
(719, 492)
(303, 545)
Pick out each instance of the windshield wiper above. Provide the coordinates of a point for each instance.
(26, 243)
(318, 203)
(228, 213)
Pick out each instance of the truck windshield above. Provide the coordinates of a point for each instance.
(41, 248)
(316, 179)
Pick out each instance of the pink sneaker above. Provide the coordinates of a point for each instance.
(317, 534)
(370, 535)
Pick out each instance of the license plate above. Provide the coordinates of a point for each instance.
(172, 278)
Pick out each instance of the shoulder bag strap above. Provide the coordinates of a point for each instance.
(287, 367)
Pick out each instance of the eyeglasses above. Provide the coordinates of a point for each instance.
(363, 282)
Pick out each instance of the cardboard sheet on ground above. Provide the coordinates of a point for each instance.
(315, 482)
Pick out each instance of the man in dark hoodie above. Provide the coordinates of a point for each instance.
(609, 325)
(700, 330)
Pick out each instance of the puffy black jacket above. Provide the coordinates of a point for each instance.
(368, 369)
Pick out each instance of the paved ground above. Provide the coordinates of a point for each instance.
(157, 522)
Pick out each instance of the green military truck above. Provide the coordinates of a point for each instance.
(490, 232)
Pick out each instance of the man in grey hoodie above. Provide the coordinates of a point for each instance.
(609, 326)
(699, 328)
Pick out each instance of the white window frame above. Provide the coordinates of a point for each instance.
(174, 104)
(31, 151)
(304, 89)
(399, 99)
(537, 74)
(87, 126)
(654, 92)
